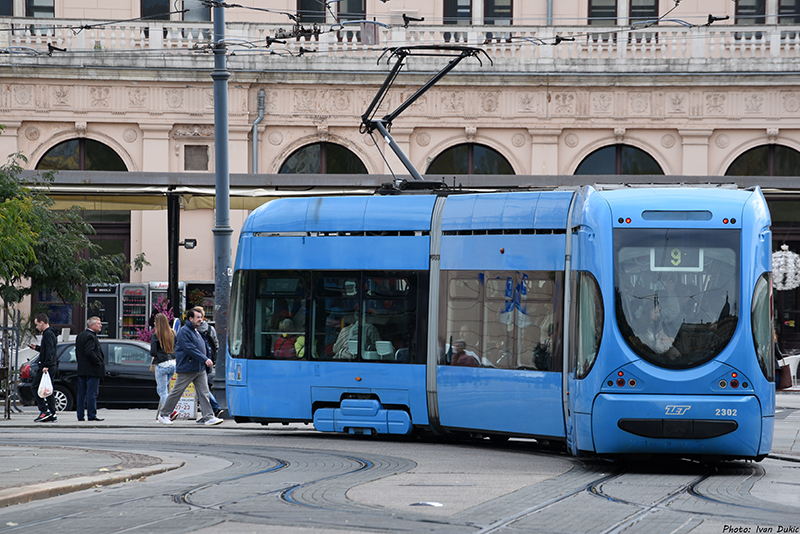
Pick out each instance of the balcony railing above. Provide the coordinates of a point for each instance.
(699, 49)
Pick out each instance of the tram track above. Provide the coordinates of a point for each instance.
(291, 486)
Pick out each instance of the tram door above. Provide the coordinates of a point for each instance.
(499, 352)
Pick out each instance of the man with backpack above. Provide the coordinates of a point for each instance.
(209, 335)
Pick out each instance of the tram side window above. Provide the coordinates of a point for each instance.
(335, 312)
(236, 317)
(762, 326)
(588, 325)
(367, 316)
(387, 323)
(501, 319)
(280, 316)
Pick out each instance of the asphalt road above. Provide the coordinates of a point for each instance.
(246, 478)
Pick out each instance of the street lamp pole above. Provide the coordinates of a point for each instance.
(223, 270)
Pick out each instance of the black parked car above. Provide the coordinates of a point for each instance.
(128, 382)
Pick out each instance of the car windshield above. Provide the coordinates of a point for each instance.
(677, 298)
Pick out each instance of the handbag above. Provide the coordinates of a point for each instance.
(785, 380)
(152, 368)
(45, 386)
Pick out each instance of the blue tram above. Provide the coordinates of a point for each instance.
(617, 322)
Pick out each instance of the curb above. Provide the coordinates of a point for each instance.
(44, 490)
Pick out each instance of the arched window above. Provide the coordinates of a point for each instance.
(81, 155)
(470, 158)
(619, 159)
(766, 160)
(323, 158)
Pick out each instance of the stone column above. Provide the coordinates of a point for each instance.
(155, 147)
(695, 152)
(9, 140)
(239, 147)
(544, 150)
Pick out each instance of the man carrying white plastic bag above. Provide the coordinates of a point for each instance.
(47, 368)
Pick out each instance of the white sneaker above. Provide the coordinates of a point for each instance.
(213, 421)
(164, 419)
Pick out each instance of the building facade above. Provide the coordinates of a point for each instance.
(568, 88)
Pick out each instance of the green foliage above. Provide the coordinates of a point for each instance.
(50, 248)
(140, 262)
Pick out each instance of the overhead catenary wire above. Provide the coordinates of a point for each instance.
(300, 31)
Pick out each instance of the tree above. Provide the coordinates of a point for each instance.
(50, 248)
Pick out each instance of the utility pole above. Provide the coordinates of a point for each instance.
(223, 270)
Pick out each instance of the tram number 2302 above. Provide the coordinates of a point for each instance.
(726, 412)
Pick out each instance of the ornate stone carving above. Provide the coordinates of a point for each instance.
(193, 130)
(423, 138)
(453, 102)
(723, 141)
(677, 103)
(619, 134)
(564, 103)
(305, 101)
(137, 97)
(61, 95)
(518, 140)
(100, 96)
(341, 100)
(368, 140)
(640, 103)
(32, 133)
(174, 98)
(80, 129)
(791, 102)
(772, 135)
(490, 102)
(753, 103)
(275, 138)
(22, 94)
(527, 103)
(668, 141)
(715, 103)
(602, 103)
(130, 135)
(572, 140)
(322, 132)
(471, 131)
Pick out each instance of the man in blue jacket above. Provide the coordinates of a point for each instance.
(191, 360)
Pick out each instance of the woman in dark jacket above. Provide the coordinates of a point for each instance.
(162, 349)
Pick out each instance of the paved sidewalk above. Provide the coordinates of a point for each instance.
(29, 473)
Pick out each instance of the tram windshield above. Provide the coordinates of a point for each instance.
(677, 293)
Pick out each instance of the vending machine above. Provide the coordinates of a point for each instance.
(133, 309)
(160, 290)
(103, 302)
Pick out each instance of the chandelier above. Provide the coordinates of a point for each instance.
(785, 269)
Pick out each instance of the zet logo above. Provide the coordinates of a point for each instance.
(677, 410)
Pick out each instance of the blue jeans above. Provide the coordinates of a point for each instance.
(163, 375)
(88, 387)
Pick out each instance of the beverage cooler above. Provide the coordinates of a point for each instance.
(161, 290)
(133, 308)
(103, 302)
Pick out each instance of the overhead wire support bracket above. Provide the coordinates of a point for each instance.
(383, 125)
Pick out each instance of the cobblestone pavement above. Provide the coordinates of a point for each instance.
(247, 478)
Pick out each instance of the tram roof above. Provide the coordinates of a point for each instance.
(344, 214)
(507, 210)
